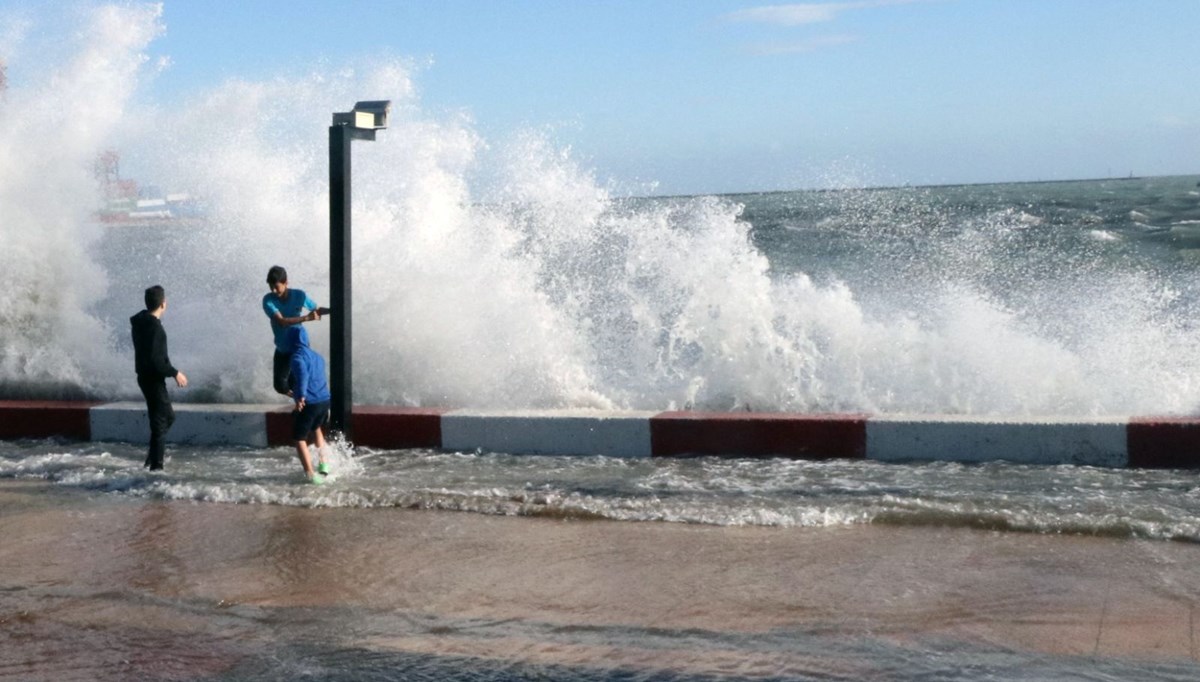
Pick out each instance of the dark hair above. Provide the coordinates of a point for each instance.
(276, 275)
(155, 296)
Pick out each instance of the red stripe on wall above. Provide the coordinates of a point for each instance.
(1163, 443)
(398, 427)
(45, 419)
(376, 427)
(750, 434)
(279, 426)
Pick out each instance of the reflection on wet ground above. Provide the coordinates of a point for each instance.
(103, 587)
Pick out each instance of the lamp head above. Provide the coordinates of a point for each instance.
(367, 115)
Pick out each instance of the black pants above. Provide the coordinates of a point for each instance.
(162, 416)
(283, 371)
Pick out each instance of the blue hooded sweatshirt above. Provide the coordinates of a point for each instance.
(308, 369)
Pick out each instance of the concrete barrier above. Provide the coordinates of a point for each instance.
(549, 432)
(194, 424)
(1097, 442)
(1137, 442)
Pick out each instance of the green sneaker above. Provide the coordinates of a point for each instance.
(323, 469)
(316, 479)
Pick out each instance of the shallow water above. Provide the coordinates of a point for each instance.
(97, 585)
(1152, 504)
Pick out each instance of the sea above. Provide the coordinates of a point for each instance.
(509, 273)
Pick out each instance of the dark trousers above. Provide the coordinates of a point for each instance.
(283, 371)
(162, 416)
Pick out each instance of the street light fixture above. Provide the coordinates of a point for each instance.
(360, 123)
(370, 115)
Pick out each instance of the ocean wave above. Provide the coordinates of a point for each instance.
(1103, 235)
(707, 491)
(1110, 524)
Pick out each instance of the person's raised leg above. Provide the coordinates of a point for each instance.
(281, 369)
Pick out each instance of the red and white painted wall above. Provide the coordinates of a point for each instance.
(1108, 442)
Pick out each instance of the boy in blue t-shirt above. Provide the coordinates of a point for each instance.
(285, 308)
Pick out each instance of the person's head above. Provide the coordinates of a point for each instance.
(277, 279)
(156, 298)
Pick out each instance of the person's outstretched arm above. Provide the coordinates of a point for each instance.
(276, 314)
(312, 316)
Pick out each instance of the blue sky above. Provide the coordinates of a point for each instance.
(717, 95)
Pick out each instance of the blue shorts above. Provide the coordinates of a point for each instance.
(307, 420)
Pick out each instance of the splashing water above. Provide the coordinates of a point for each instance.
(50, 132)
(504, 274)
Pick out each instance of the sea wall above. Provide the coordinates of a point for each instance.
(1145, 442)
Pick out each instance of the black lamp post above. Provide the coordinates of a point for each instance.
(360, 123)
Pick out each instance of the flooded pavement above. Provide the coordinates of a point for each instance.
(102, 586)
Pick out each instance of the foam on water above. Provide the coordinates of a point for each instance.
(776, 493)
(502, 273)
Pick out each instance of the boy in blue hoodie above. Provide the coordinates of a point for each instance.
(310, 391)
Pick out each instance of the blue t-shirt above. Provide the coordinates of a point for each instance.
(295, 306)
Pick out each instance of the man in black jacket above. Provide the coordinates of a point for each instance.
(153, 366)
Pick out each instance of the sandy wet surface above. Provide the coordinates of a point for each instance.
(106, 587)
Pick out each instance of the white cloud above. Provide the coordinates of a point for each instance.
(787, 15)
(806, 13)
(802, 46)
(1175, 121)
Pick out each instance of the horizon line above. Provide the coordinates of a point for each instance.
(944, 185)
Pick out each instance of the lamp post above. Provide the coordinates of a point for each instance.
(360, 123)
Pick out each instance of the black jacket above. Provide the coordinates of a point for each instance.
(150, 347)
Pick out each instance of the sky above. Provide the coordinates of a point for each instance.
(700, 96)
